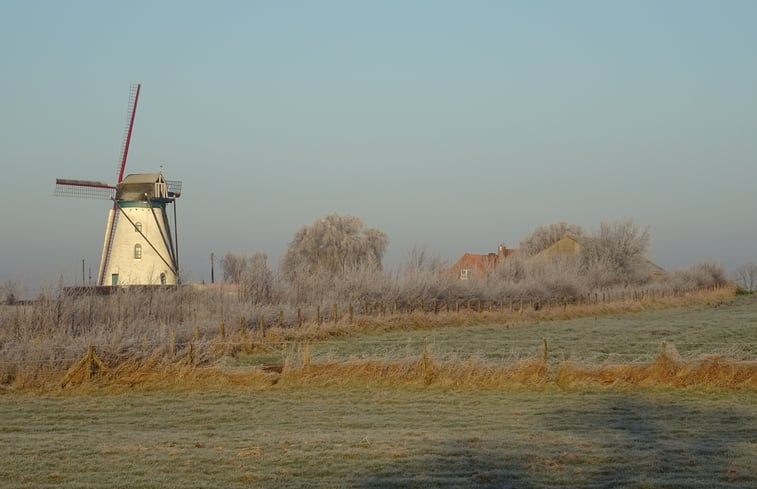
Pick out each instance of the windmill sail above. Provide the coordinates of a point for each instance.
(84, 188)
(109, 229)
(112, 221)
(132, 112)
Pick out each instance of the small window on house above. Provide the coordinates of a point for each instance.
(163, 279)
(464, 273)
(137, 251)
(137, 227)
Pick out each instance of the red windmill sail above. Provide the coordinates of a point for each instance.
(111, 227)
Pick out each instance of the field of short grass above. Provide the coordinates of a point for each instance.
(726, 328)
(382, 438)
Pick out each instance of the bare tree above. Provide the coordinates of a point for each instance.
(746, 276)
(332, 246)
(233, 265)
(615, 252)
(9, 292)
(420, 260)
(257, 283)
(545, 236)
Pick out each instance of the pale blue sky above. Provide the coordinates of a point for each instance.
(452, 125)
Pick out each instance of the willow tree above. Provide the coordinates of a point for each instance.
(329, 248)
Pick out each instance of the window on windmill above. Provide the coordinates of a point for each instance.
(137, 251)
(137, 227)
(464, 273)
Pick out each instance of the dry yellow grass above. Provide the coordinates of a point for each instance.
(667, 370)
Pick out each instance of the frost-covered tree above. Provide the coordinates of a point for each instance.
(233, 265)
(9, 292)
(332, 246)
(616, 251)
(257, 281)
(746, 276)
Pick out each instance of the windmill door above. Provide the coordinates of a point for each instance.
(114, 279)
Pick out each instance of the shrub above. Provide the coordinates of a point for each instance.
(697, 276)
(746, 276)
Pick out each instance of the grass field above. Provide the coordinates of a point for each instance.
(407, 434)
(727, 328)
(382, 438)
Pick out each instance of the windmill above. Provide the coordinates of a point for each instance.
(139, 247)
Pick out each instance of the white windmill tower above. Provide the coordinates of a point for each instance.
(139, 247)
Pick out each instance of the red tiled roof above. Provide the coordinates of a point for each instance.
(480, 263)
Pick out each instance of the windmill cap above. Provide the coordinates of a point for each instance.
(144, 187)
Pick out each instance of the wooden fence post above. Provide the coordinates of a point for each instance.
(334, 314)
(299, 317)
(318, 315)
(222, 329)
(89, 357)
(90, 361)
(262, 326)
(281, 318)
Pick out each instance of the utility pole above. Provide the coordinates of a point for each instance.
(212, 271)
(83, 283)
